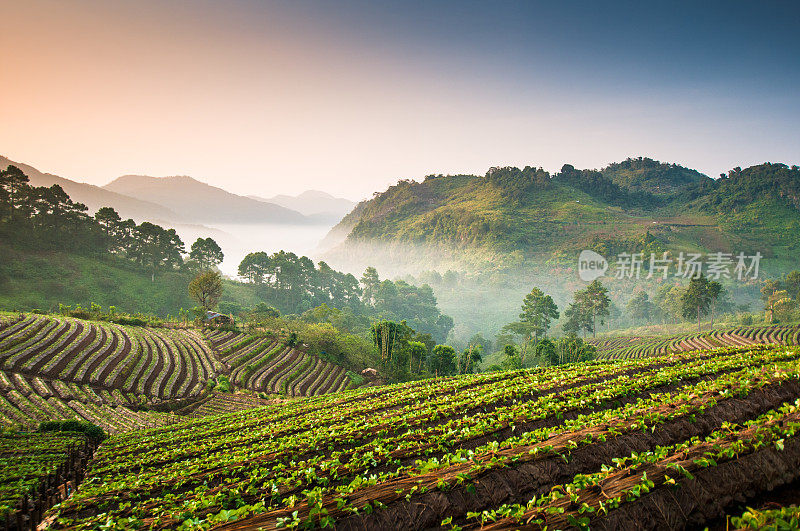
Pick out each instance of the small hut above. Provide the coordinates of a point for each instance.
(214, 318)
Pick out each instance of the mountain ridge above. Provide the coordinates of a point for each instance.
(94, 197)
(511, 216)
(315, 203)
(199, 202)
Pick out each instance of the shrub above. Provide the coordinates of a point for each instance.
(79, 313)
(292, 339)
(224, 384)
(129, 321)
(92, 431)
(357, 379)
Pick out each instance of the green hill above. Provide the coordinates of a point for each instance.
(511, 215)
(44, 279)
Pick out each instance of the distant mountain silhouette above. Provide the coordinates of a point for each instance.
(314, 203)
(95, 197)
(197, 202)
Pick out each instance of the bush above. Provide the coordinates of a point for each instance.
(292, 339)
(357, 379)
(224, 384)
(80, 313)
(263, 309)
(92, 431)
(129, 321)
(572, 349)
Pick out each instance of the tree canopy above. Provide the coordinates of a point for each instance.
(206, 289)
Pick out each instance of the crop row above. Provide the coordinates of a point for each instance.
(268, 364)
(641, 346)
(25, 402)
(623, 482)
(329, 457)
(219, 403)
(34, 468)
(162, 364)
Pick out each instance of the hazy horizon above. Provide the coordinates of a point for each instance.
(265, 98)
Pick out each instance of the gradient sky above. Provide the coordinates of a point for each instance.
(349, 96)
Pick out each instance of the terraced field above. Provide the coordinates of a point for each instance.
(57, 368)
(674, 441)
(641, 346)
(219, 403)
(37, 470)
(163, 364)
(27, 401)
(267, 364)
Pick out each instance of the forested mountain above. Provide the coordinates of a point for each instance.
(511, 216)
(197, 202)
(651, 176)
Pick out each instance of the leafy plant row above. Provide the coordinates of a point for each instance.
(269, 364)
(634, 347)
(162, 364)
(329, 451)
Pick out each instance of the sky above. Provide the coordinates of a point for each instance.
(268, 97)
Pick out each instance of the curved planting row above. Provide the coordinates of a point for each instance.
(218, 403)
(34, 467)
(267, 364)
(570, 446)
(641, 346)
(162, 363)
(27, 401)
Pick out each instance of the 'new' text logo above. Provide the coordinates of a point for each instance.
(591, 265)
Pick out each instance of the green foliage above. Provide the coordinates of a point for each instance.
(295, 284)
(512, 359)
(596, 184)
(206, 289)
(90, 430)
(417, 305)
(469, 359)
(417, 352)
(572, 349)
(391, 339)
(640, 308)
(346, 320)
(537, 311)
(591, 304)
(659, 179)
(206, 253)
(699, 297)
(357, 379)
(224, 384)
(262, 309)
(443, 360)
(321, 339)
(292, 340)
(547, 352)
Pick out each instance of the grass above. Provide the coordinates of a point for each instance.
(42, 280)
